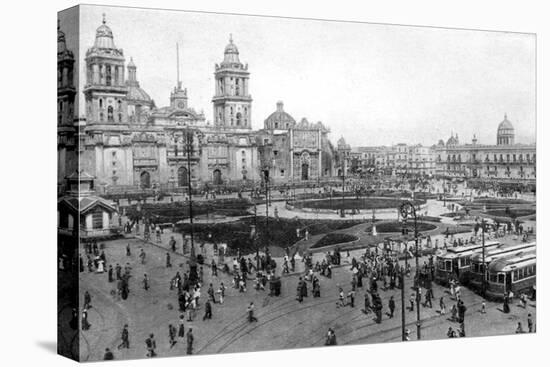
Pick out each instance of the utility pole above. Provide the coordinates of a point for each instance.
(343, 188)
(403, 336)
(484, 280)
(266, 176)
(193, 276)
(407, 209)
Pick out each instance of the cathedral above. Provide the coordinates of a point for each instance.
(126, 141)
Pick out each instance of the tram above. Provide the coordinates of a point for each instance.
(456, 261)
(516, 274)
(477, 267)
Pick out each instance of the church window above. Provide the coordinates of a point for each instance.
(100, 103)
(110, 114)
(108, 75)
(119, 117)
(231, 111)
(239, 119)
(101, 117)
(119, 104)
(231, 121)
(276, 125)
(275, 153)
(116, 75)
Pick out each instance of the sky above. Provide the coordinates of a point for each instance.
(373, 84)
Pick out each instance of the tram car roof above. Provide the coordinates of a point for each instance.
(512, 263)
(503, 251)
(456, 252)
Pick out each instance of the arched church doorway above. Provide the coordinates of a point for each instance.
(183, 178)
(305, 171)
(145, 180)
(217, 177)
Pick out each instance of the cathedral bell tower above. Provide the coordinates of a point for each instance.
(105, 90)
(232, 101)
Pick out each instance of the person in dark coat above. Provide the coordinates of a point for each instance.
(110, 274)
(181, 331)
(391, 306)
(207, 310)
(168, 263)
(190, 339)
(172, 335)
(124, 338)
(151, 345)
(506, 306)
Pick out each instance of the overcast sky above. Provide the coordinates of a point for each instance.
(373, 84)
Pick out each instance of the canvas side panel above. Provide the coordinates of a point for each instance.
(68, 341)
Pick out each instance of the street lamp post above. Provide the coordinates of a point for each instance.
(408, 210)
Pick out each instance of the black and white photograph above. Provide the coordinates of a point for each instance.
(232, 183)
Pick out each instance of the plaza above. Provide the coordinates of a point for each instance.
(182, 232)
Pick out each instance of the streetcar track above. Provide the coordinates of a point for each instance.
(235, 337)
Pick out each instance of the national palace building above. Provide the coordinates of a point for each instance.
(126, 141)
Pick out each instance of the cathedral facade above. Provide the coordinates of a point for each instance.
(126, 141)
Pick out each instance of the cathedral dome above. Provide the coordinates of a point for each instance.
(137, 94)
(279, 119)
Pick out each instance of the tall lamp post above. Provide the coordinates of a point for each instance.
(408, 210)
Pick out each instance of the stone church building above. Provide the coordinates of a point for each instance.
(126, 141)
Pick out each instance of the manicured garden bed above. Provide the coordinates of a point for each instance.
(511, 213)
(397, 227)
(174, 212)
(334, 239)
(361, 203)
(281, 232)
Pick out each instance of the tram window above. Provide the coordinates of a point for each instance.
(493, 278)
(501, 278)
(516, 275)
(448, 266)
(441, 264)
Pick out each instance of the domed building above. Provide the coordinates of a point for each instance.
(505, 132)
(128, 143)
(505, 161)
(139, 102)
(279, 120)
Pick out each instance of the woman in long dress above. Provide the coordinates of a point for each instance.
(100, 266)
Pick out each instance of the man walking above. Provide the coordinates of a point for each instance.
(190, 339)
(124, 338)
(250, 311)
(391, 305)
(207, 310)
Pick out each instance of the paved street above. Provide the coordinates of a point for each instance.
(282, 321)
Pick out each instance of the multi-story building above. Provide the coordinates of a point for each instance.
(127, 141)
(503, 161)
